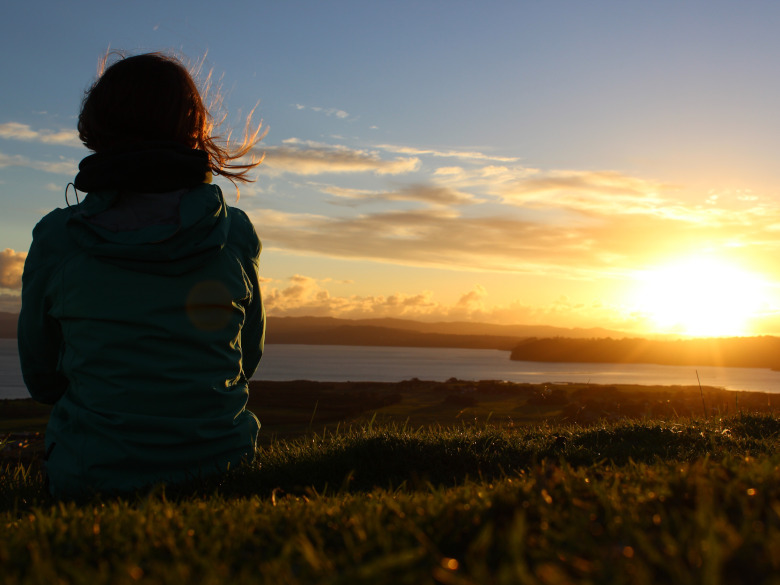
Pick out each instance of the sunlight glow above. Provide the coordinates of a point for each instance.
(701, 296)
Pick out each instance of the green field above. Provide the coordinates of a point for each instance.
(446, 484)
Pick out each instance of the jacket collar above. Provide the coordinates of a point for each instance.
(151, 167)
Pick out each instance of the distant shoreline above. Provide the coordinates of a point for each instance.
(733, 352)
(524, 342)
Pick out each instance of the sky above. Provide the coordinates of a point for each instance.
(568, 163)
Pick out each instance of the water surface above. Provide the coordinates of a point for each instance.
(339, 363)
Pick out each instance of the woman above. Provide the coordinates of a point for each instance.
(141, 316)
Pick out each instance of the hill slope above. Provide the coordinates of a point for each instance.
(409, 333)
(665, 501)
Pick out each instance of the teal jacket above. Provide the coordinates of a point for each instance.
(141, 322)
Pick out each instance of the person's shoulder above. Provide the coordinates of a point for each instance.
(240, 218)
(241, 235)
(242, 232)
(56, 217)
(52, 226)
(50, 239)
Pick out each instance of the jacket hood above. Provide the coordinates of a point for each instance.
(161, 233)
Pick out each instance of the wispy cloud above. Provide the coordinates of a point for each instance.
(563, 223)
(11, 266)
(60, 167)
(589, 191)
(306, 157)
(602, 191)
(430, 194)
(427, 237)
(589, 246)
(327, 111)
(594, 193)
(310, 158)
(18, 131)
(486, 180)
(451, 153)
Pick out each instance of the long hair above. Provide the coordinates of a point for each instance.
(153, 97)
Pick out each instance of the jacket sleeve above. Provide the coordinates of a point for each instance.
(253, 332)
(39, 335)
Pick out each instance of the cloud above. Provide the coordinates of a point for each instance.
(17, 131)
(569, 224)
(11, 266)
(306, 296)
(308, 158)
(327, 111)
(431, 194)
(491, 181)
(601, 191)
(331, 112)
(60, 167)
(464, 154)
(424, 237)
(473, 299)
(589, 245)
(590, 192)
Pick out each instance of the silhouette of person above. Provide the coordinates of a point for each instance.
(141, 317)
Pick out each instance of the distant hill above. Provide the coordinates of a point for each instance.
(8, 325)
(385, 336)
(297, 325)
(408, 333)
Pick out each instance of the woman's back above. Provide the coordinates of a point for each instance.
(142, 322)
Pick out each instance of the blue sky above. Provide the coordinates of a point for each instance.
(524, 162)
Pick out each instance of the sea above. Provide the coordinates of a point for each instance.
(341, 363)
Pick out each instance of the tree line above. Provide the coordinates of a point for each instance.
(745, 352)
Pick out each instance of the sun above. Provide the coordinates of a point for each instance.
(701, 296)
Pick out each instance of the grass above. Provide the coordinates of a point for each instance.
(677, 500)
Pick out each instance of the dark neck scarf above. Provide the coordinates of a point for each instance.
(155, 167)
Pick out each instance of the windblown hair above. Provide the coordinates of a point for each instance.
(153, 98)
